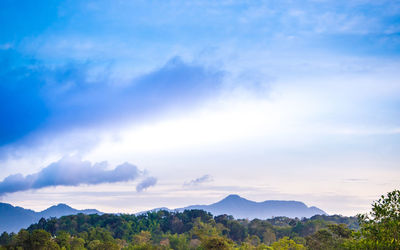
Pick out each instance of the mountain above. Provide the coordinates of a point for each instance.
(155, 210)
(12, 219)
(63, 209)
(240, 207)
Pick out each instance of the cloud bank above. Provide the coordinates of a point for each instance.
(72, 171)
(198, 181)
(35, 98)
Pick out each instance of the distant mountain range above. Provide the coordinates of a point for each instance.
(12, 219)
(240, 207)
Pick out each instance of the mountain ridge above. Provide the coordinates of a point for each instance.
(13, 218)
(242, 208)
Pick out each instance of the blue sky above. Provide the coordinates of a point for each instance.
(270, 99)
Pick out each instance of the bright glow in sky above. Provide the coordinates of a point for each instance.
(268, 100)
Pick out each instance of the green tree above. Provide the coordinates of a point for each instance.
(41, 240)
(201, 229)
(216, 243)
(143, 237)
(380, 228)
(287, 244)
(77, 243)
(94, 244)
(253, 240)
(178, 241)
(333, 237)
(63, 240)
(269, 236)
(5, 239)
(23, 239)
(320, 240)
(100, 234)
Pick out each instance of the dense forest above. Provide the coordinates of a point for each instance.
(197, 229)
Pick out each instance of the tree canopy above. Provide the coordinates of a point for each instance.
(197, 229)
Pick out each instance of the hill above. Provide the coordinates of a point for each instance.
(240, 207)
(190, 229)
(12, 219)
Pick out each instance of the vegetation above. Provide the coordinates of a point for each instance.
(197, 229)
(380, 229)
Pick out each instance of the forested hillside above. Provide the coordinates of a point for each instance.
(177, 230)
(197, 229)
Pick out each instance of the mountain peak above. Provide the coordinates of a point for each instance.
(233, 197)
(240, 207)
(61, 205)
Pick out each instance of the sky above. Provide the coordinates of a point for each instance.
(125, 106)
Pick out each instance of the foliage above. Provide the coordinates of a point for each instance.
(287, 244)
(197, 229)
(380, 229)
(333, 237)
(216, 243)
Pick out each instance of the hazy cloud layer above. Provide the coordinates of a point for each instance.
(146, 183)
(71, 171)
(38, 98)
(198, 181)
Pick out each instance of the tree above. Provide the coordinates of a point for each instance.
(237, 231)
(77, 243)
(380, 228)
(5, 239)
(178, 242)
(216, 243)
(287, 244)
(269, 236)
(23, 239)
(143, 237)
(63, 239)
(94, 244)
(333, 237)
(40, 239)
